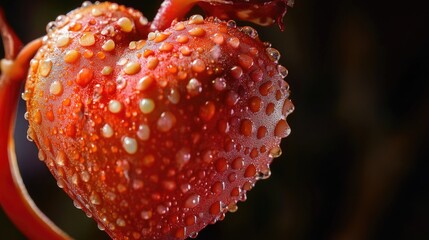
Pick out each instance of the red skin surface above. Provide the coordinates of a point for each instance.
(159, 134)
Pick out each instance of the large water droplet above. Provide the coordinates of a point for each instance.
(192, 201)
(166, 121)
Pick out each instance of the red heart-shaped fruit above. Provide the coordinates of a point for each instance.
(155, 135)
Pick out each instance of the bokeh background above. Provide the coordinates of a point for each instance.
(356, 165)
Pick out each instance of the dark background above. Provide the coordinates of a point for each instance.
(356, 164)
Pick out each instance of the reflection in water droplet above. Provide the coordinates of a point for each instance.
(45, 67)
(194, 87)
(273, 54)
(275, 152)
(192, 201)
(166, 121)
(146, 215)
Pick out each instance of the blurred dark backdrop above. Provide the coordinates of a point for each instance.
(356, 164)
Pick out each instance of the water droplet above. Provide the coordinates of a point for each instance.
(138, 184)
(190, 220)
(287, 107)
(273, 54)
(87, 39)
(152, 63)
(185, 50)
(146, 215)
(143, 133)
(198, 65)
(85, 176)
(246, 127)
(109, 45)
(95, 198)
(144, 83)
(218, 38)
(63, 41)
(231, 24)
(30, 134)
(159, 37)
(56, 88)
(161, 209)
(221, 165)
(194, 87)
(115, 106)
(121, 188)
(143, 20)
(182, 38)
(107, 131)
(197, 32)
(136, 235)
(257, 75)
(132, 68)
(250, 171)
(120, 222)
(148, 160)
(262, 132)
(126, 24)
(185, 187)
(263, 175)
(234, 42)
(50, 27)
(236, 72)
(218, 187)
(84, 76)
(215, 208)
(86, 4)
(196, 19)
(169, 185)
(101, 227)
(45, 67)
(60, 183)
(192, 201)
(166, 47)
(96, 12)
(255, 104)
(266, 88)
(130, 145)
(282, 129)
(207, 111)
(75, 179)
(60, 159)
(180, 233)
(166, 121)
(245, 61)
(71, 56)
(146, 105)
(275, 152)
(247, 186)
(251, 32)
(174, 96)
(237, 163)
(183, 156)
(282, 71)
(232, 98)
(235, 192)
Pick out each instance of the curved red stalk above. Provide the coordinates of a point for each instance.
(14, 198)
(171, 10)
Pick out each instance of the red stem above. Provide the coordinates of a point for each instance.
(14, 198)
(171, 10)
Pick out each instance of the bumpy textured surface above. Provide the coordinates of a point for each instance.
(155, 138)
